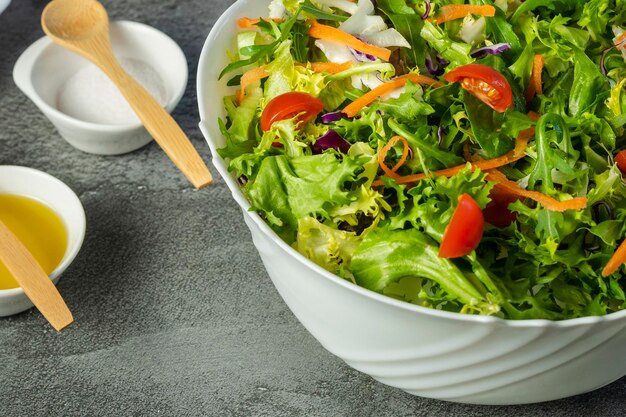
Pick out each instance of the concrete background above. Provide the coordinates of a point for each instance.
(175, 315)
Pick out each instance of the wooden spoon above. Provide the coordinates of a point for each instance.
(33, 280)
(82, 26)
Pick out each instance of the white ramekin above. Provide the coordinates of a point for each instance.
(44, 67)
(61, 199)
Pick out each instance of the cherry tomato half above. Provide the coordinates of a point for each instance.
(464, 231)
(485, 83)
(497, 212)
(289, 105)
(620, 160)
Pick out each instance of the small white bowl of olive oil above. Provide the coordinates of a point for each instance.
(49, 219)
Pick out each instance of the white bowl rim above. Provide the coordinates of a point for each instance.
(80, 224)
(4, 4)
(220, 164)
(43, 43)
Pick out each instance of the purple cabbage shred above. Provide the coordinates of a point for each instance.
(361, 56)
(332, 117)
(330, 140)
(440, 133)
(433, 67)
(428, 8)
(490, 50)
(442, 61)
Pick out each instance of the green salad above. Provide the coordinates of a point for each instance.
(463, 156)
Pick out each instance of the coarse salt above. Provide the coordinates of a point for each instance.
(90, 96)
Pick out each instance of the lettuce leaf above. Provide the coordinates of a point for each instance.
(430, 204)
(327, 246)
(240, 135)
(458, 53)
(595, 18)
(287, 189)
(386, 256)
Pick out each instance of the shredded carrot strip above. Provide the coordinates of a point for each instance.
(247, 23)
(617, 260)
(366, 99)
(535, 87)
(521, 142)
(329, 33)
(534, 115)
(515, 155)
(385, 150)
(248, 78)
(459, 11)
(330, 67)
(548, 202)
(621, 38)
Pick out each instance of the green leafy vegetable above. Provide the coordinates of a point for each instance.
(375, 214)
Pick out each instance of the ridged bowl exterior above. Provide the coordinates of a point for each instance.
(445, 356)
(453, 357)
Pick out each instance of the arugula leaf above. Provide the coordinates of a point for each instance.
(300, 41)
(589, 84)
(263, 51)
(548, 157)
(260, 54)
(310, 9)
(502, 32)
(429, 149)
(391, 7)
(409, 24)
(499, 29)
(485, 125)
(530, 5)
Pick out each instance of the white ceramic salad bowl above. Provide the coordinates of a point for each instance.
(4, 4)
(430, 353)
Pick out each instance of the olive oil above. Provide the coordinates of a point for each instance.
(38, 227)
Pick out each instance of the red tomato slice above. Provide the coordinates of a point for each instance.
(485, 83)
(620, 160)
(289, 105)
(465, 230)
(497, 212)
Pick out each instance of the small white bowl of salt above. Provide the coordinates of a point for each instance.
(84, 105)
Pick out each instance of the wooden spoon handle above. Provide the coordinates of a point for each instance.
(161, 126)
(33, 280)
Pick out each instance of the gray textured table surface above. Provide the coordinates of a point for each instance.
(175, 315)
